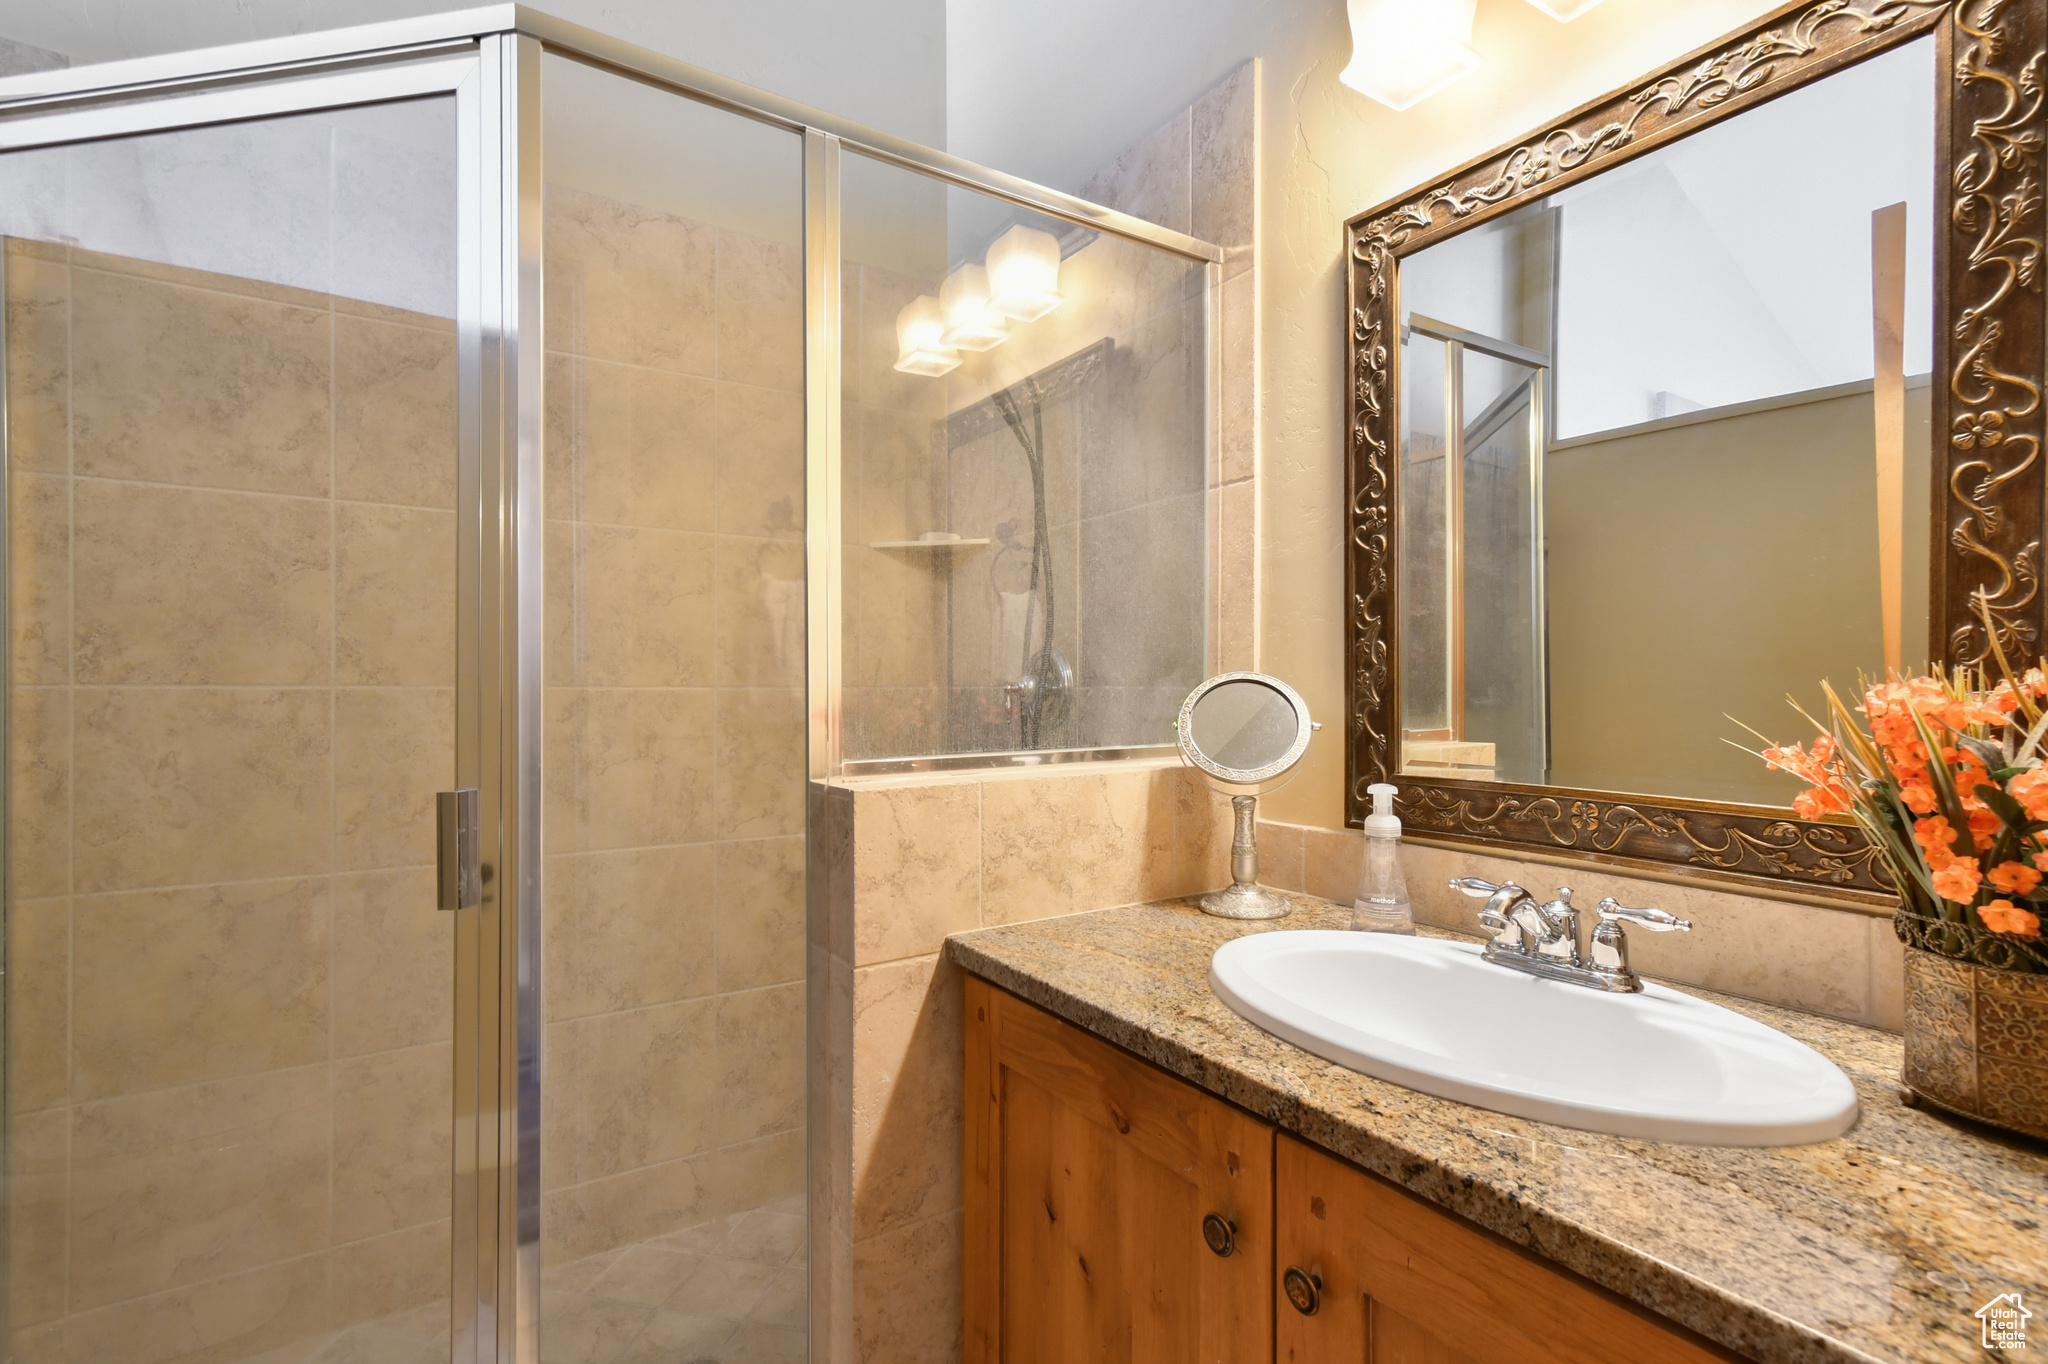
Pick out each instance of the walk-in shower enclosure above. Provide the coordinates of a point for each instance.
(478, 403)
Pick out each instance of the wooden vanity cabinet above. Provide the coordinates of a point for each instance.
(1392, 1280)
(1090, 1173)
(1089, 1176)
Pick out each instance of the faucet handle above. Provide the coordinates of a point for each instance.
(1500, 901)
(1610, 944)
(1655, 920)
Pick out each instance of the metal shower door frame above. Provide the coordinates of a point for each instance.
(489, 59)
(491, 80)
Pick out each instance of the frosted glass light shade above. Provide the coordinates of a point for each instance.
(1564, 11)
(921, 339)
(1024, 273)
(971, 324)
(1404, 51)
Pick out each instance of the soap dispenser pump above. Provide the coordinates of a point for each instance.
(1382, 902)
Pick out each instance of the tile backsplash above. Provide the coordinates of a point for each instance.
(1844, 961)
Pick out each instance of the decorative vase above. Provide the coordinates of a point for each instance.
(1976, 1022)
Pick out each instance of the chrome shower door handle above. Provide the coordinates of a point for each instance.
(458, 875)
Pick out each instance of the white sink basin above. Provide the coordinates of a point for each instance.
(1433, 1016)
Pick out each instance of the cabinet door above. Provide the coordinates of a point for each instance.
(1089, 1176)
(1397, 1281)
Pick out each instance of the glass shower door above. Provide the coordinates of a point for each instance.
(230, 379)
(671, 991)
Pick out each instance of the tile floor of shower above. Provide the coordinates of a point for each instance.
(728, 1291)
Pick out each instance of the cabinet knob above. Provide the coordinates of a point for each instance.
(1219, 1233)
(1304, 1290)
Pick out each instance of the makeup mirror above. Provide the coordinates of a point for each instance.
(1244, 732)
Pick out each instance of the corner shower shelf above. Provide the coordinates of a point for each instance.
(926, 544)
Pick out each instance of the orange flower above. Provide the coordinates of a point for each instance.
(2003, 916)
(1829, 793)
(1819, 802)
(1891, 707)
(1919, 797)
(1958, 881)
(1936, 839)
(1907, 760)
(1969, 773)
(1984, 826)
(1977, 711)
(2015, 878)
(2030, 789)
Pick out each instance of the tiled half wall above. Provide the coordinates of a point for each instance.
(897, 864)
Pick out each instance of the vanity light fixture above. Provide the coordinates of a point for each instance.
(1564, 11)
(921, 339)
(1024, 273)
(971, 324)
(1404, 51)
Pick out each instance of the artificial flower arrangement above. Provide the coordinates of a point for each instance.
(1946, 776)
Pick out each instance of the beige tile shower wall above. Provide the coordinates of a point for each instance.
(231, 658)
(1841, 962)
(898, 864)
(1199, 174)
(674, 725)
(893, 486)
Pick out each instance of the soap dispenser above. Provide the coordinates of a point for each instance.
(1382, 903)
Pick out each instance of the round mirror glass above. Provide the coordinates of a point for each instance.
(1243, 725)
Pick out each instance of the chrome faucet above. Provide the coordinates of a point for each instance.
(1543, 939)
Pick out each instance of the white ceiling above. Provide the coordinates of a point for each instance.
(880, 62)
(1048, 89)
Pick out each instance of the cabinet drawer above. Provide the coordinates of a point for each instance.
(1397, 1281)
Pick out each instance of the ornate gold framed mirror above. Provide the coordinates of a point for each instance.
(1718, 386)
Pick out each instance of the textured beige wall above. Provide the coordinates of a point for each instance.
(1329, 153)
(674, 735)
(228, 1029)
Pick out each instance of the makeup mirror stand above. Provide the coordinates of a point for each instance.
(1245, 898)
(1244, 732)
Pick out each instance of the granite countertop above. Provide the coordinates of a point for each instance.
(1878, 1245)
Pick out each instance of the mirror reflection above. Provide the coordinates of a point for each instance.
(1243, 725)
(1664, 447)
